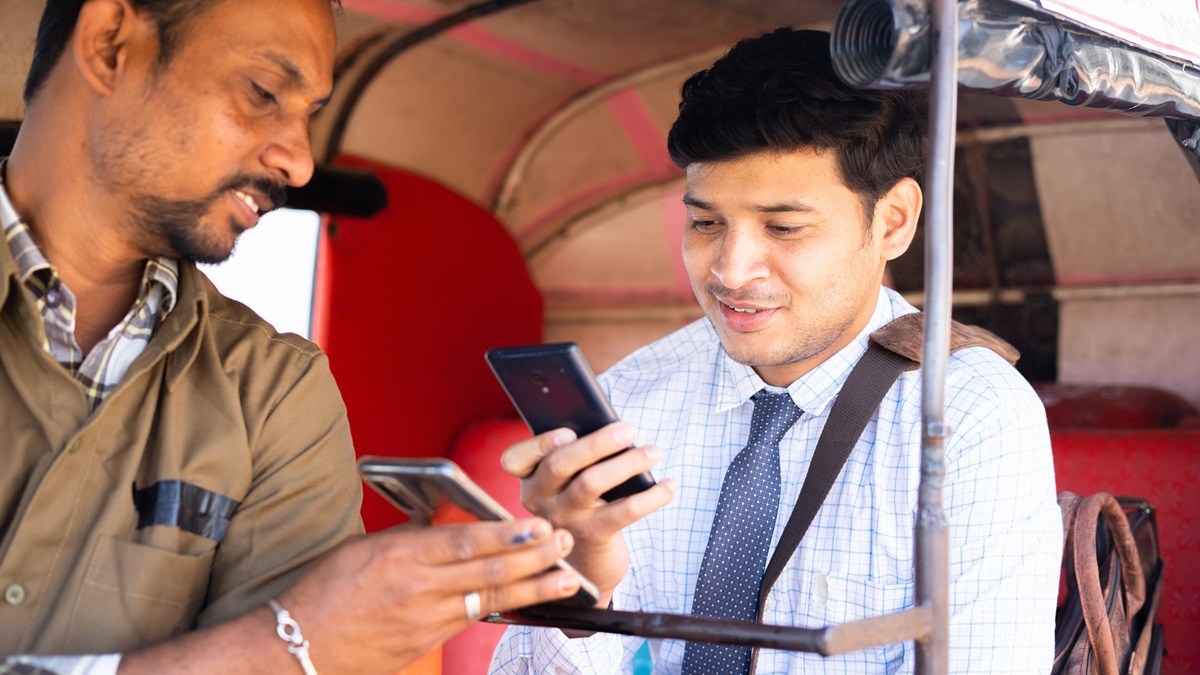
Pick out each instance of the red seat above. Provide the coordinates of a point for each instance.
(477, 450)
(1077, 406)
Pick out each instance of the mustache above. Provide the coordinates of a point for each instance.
(272, 189)
(745, 295)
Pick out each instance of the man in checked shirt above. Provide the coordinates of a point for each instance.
(177, 481)
(799, 190)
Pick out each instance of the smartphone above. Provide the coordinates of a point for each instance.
(552, 386)
(423, 488)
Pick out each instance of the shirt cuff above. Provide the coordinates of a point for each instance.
(92, 664)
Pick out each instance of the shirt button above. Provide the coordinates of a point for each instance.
(76, 446)
(54, 297)
(14, 594)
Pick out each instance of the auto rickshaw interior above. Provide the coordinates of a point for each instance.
(495, 174)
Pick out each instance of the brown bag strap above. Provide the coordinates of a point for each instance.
(1087, 573)
(904, 335)
(1068, 503)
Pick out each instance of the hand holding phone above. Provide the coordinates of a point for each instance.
(425, 488)
(552, 386)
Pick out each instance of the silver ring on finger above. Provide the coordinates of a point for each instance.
(474, 610)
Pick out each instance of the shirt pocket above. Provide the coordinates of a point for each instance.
(835, 599)
(133, 595)
(842, 598)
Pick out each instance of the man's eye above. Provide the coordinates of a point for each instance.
(785, 230)
(704, 225)
(263, 95)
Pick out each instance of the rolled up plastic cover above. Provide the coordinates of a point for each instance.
(1008, 49)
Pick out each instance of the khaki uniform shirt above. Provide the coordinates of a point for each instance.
(96, 553)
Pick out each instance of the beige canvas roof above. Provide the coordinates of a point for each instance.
(552, 114)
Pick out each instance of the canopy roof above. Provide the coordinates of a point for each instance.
(552, 115)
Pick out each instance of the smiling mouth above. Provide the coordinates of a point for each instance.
(728, 304)
(249, 201)
(745, 319)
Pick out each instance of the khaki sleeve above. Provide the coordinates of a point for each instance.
(304, 499)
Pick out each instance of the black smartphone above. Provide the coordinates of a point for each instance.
(552, 386)
(423, 487)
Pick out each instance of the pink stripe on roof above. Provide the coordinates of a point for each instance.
(635, 120)
(589, 195)
(491, 43)
(581, 198)
(632, 116)
(482, 39)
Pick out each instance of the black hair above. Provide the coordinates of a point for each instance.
(778, 92)
(60, 16)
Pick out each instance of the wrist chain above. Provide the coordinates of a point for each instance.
(289, 631)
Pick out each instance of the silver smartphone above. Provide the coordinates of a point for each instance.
(553, 386)
(422, 488)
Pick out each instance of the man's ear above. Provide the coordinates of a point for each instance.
(101, 43)
(897, 214)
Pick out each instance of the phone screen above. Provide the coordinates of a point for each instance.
(552, 386)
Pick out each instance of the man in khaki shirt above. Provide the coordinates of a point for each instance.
(169, 462)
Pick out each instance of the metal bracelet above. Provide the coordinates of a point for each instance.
(289, 631)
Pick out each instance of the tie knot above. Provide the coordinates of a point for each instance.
(774, 414)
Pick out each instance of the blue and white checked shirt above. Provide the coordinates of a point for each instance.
(686, 395)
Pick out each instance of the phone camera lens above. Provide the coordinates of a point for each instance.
(538, 377)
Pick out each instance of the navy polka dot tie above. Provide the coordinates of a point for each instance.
(731, 574)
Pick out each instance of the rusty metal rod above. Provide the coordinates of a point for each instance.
(669, 627)
(909, 624)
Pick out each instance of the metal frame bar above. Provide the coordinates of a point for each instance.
(908, 624)
(932, 538)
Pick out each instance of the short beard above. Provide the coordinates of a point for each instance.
(798, 349)
(173, 225)
(801, 347)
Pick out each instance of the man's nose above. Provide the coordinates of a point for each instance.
(741, 259)
(290, 154)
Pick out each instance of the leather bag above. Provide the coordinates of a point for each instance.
(1113, 579)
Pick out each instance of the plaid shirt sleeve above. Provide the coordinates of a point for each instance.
(1005, 529)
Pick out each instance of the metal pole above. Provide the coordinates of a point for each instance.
(931, 533)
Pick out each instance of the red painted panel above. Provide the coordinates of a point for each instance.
(1164, 467)
(413, 297)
